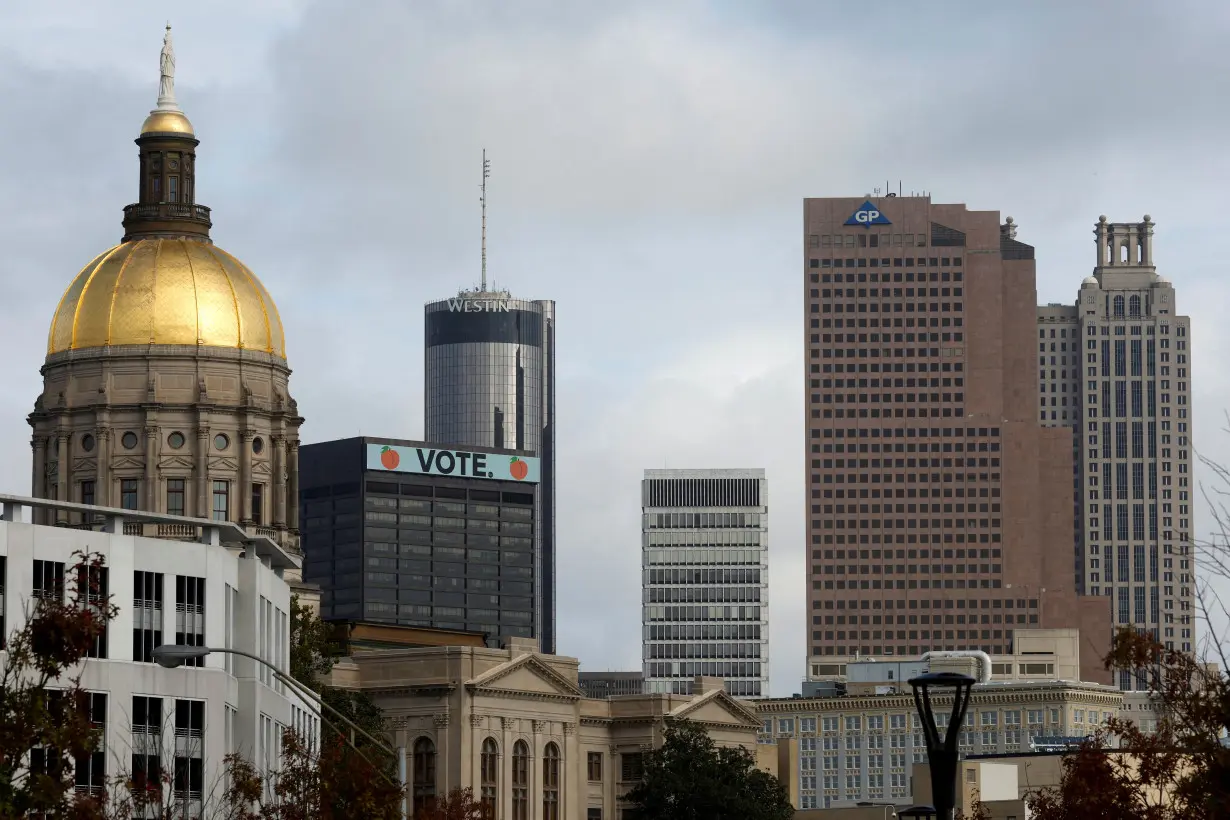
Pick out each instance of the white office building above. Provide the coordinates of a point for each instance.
(222, 590)
(1114, 366)
(705, 564)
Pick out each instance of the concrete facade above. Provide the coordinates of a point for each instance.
(705, 562)
(227, 594)
(918, 326)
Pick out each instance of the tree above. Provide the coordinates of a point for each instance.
(45, 725)
(459, 804)
(1180, 771)
(691, 778)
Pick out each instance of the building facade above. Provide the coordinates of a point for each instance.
(490, 383)
(705, 566)
(513, 725)
(1114, 370)
(862, 745)
(404, 532)
(940, 511)
(166, 382)
(229, 593)
(611, 684)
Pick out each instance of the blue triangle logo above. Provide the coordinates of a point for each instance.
(867, 215)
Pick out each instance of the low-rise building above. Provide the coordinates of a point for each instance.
(859, 737)
(515, 726)
(225, 591)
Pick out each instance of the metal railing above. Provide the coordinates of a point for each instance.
(159, 211)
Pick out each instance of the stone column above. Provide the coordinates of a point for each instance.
(244, 490)
(202, 471)
(292, 500)
(445, 777)
(151, 467)
(572, 780)
(537, 745)
(102, 467)
(38, 480)
(279, 481)
(503, 793)
(63, 472)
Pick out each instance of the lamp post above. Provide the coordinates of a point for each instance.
(172, 656)
(942, 753)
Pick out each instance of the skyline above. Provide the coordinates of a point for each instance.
(671, 247)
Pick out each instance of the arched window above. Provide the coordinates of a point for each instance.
(1118, 307)
(424, 775)
(489, 779)
(1134, 306)
(521, 781)
(550, 783)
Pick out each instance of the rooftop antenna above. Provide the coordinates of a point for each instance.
(483, 201)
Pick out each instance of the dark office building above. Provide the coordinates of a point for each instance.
(489, 381)
(409, 533)
(611, 684)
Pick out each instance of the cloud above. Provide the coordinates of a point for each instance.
(649, 162)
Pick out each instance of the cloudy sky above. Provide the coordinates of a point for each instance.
(649, 162)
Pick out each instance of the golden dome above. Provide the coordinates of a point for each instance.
(162, 122)
(166, 292)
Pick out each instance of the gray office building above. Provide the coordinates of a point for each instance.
(415, 534)
(490, 383)
(705, 558)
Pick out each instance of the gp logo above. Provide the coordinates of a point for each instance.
(867, 215)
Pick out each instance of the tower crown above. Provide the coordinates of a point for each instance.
(1124, 245)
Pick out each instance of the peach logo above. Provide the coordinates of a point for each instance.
(518, 468)
(389, 458)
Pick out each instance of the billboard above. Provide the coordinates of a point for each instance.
(458, 463)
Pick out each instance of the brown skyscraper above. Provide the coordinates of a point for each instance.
(940, 511)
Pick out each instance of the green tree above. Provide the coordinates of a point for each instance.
(690, 777)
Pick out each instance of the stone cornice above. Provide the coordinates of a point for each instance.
(521, 694)
(416, 690)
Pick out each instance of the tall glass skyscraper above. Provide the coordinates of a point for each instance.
(490, 382)
(705, 549)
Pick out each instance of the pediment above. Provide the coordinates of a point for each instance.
(85, 465)
(716, 707)
(175, 461)
(525, 674)
(121, 462)
(261, 468)
(223, 464)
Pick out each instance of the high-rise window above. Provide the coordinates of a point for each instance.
(128, 493)
(92, 589)
(90, 768)
(189, 780)
(190, 614)
(146, 615)
(175, 496)
(49, 580)
(222, 501)
(146, 771)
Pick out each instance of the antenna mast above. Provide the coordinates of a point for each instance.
(483, 201)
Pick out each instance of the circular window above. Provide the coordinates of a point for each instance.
(129, 440)
(220, 441)
(87, 442)
(258, 444)
(176, 440)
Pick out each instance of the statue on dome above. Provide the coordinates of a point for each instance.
(166, 83)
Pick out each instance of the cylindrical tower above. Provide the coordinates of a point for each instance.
(490, 382)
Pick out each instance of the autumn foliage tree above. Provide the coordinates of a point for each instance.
(1180, 771)
(45, 721)
(459, 804)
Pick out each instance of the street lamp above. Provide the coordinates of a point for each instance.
(942, 753)
(172, 656)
